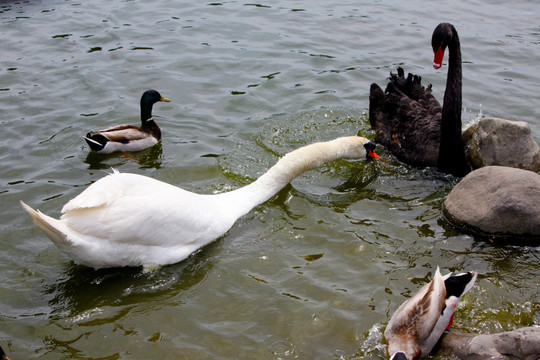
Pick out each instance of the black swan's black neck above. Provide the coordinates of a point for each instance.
(451, 151)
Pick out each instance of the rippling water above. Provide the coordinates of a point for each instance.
(316, 271)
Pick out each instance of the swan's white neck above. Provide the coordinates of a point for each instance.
(283, 172)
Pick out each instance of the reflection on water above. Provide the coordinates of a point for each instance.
(150, 158)
(81, 290)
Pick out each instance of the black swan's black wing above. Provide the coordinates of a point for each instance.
(406, 118)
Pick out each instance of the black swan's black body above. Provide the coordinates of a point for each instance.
(410, 122)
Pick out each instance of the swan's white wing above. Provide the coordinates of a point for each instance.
(99, 193)
(135, 209)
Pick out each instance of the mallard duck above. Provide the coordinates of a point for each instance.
(417, 325)
(132, 220)
(129, 137)
(410, 122)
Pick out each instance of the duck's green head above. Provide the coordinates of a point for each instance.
(149, 98)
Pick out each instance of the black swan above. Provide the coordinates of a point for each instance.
(410, 122)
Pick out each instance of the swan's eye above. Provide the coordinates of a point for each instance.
(369, 146)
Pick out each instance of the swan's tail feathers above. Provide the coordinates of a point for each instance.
(458, 285)
(399, 80)
(381, 115)
(55, 229)
(376, 104)
(410, 86)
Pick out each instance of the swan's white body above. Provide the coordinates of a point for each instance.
(417, 325)
(132, 220)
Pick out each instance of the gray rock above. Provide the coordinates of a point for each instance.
(494, 141)
(497, 201)
(522, 344)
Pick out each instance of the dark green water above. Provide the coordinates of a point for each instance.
(315, 272)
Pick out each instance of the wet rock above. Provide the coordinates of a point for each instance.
(497, 201)
(494, 141)
(522, 344)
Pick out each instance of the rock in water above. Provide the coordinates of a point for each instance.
(519, 344)
(494, 141)
(497, 201)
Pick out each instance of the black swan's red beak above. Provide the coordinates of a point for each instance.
(437, 60)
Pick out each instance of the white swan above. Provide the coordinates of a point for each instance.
(418, 324)
(133, 220)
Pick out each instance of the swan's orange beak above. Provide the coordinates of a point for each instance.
(437, 60)
(370, 150)
(373, 154)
